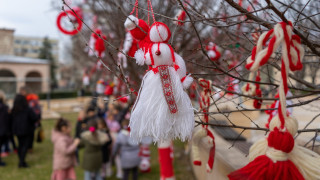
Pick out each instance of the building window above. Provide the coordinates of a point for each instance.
(24, 51)
(26, 42)
(17, 41)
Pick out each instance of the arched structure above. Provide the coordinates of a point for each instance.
(16, 72)
(33, 80)
(8, 82)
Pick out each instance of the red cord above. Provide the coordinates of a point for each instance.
(135, 7)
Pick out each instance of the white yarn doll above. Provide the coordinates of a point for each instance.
(163, 109)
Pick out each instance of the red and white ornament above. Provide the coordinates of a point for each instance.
(130, 46)
(181, 16)
(205, 131)
(96, 43)
(75, 16)
(145, 154)
(213, 51)
(163, 109)
(277, 156)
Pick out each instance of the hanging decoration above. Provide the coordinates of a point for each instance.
(163, 109)
(272, 109)
(249, 7)
(193, 90)
(205, 131)
(130, 46)
(109, 89)
(145, 154)
(165, 151)
(75, 17)
(181, 16)
(232, 86)
(255, 35)
(258, 93)
(213, 52)
(85, 79)
(277, 156)
(250, 89)
(99, 45)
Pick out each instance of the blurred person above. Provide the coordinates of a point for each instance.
(33, 101)
(6, 146)
(4, 122)
(114, 127)
(23, 91)
(92, 140)
(80, 128)
(81, 125)
(128, 151)
(64, 157)
(23, 120)
(100, 86)
(115, 115)
(106, 150)
(102, 107)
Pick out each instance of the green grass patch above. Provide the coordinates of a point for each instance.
(40, 160)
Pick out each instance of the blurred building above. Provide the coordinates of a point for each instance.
(30, 46)
(17, 71)
(6, 41)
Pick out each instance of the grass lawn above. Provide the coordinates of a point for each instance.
(40, 160)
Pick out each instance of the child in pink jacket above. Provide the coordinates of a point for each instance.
(64, 158)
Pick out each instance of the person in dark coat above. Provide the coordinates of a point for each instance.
(106, 149)
(92, 140)
(4, 123)
(23, 120)
(81, 125)
(33, 101)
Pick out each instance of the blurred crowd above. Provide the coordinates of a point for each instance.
(102, 132)
(101, 143)
(20, 121)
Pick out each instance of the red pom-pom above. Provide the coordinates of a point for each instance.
(137, 33)
(282, 141)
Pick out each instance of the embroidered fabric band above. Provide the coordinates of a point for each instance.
(167, 88)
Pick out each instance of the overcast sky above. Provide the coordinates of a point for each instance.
(29, 17)
(35, 18)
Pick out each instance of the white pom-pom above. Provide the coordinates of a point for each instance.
(131, 22)
(187, 82)
(212, 54)
(139, 56)
(159, 33)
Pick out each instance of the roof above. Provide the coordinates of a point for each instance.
(22, 60)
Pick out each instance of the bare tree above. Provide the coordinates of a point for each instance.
(228, 24)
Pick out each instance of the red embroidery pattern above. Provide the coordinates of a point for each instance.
(167, 88)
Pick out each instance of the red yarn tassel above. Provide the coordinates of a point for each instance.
(263, 168)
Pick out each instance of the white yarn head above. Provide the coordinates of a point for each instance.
(131, 22)
(291, 124)
(159, 32)
(211, 44)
